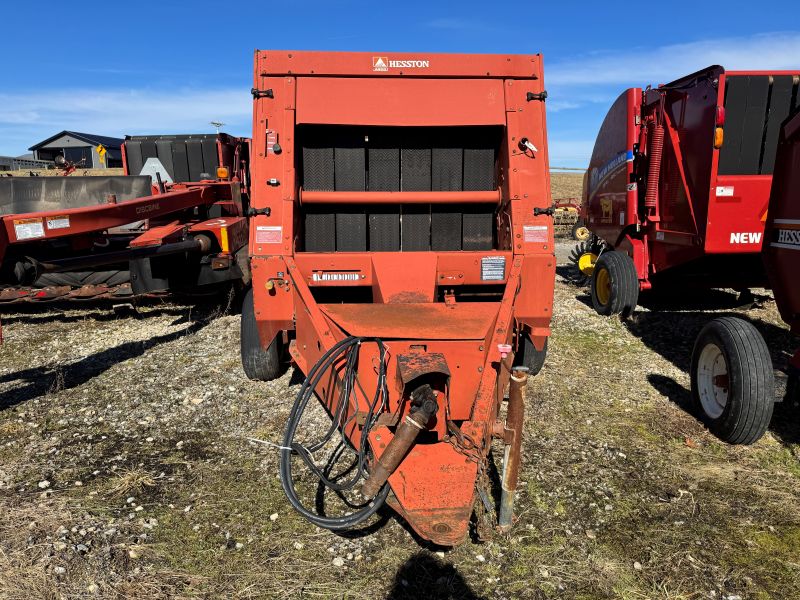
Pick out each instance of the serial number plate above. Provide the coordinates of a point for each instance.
(329, 276)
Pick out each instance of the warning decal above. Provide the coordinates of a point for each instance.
(493, 268)
(724, 191)
(534, 233)
(269, 234)
(28, 229)
(58, 222)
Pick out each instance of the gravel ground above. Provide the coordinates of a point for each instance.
(126, 470)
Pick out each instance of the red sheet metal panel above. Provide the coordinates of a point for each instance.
(361, 101)
(397, 64)
(782, 248)
(464, 321)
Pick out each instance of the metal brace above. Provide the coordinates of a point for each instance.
(252, 212)
(262, 93)
(542, 96)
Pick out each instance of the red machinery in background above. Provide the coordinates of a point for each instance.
(678, 184)
(732, 373)
(402, 252)
(117, 236)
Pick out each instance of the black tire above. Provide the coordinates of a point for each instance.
(733, 385)
(259, 363)
(528, 356)
(615, 285)
(580, 232)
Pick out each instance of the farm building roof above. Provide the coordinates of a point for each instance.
(89, 138)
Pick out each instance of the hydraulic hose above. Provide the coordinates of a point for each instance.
(348, 349)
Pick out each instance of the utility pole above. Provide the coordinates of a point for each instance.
(217, 124)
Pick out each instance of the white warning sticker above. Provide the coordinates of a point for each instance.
(28, 229)
(534, 233)
(58, 222)
(493, 268)
(269, 234)
(724, 191)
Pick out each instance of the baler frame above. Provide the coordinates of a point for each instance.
(464, 349)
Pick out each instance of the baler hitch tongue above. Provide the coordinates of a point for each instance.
(515, 418)
(423, 407)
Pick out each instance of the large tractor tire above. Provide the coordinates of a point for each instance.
(615, 285)
(580, 232)
(733, 384)
(259, 363)
(528, 356)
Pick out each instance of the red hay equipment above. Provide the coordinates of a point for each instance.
(402, 253)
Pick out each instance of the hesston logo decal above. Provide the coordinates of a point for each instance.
(382, 63)
(787, 238)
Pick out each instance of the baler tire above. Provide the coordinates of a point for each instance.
(735, 346)
(259, 363)
(529, 356)
(623, 284)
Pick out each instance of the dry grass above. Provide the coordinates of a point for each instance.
(566, 185)
(623, 493)
(131, 481)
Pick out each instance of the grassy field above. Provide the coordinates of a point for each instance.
(126, 471)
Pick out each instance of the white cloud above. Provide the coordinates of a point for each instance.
(645, 65)
(28, 118)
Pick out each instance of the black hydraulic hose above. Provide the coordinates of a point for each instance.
(348, 347)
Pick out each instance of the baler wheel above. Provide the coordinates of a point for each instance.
(733, 384)
(582, 260)
(615, 285)
(259, 363)
(580, 232)
(529, 356)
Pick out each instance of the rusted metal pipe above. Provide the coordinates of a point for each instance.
(515, 417)
(424, 406)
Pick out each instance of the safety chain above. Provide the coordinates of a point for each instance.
(486, 515)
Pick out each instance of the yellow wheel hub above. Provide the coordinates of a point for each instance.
(582, 233)
(586, 263)
(602, 287)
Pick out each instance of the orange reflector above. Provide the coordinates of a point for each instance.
(223, 239)
(222, 172)
(719, 137)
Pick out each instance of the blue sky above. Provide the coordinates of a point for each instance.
(171, 67)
